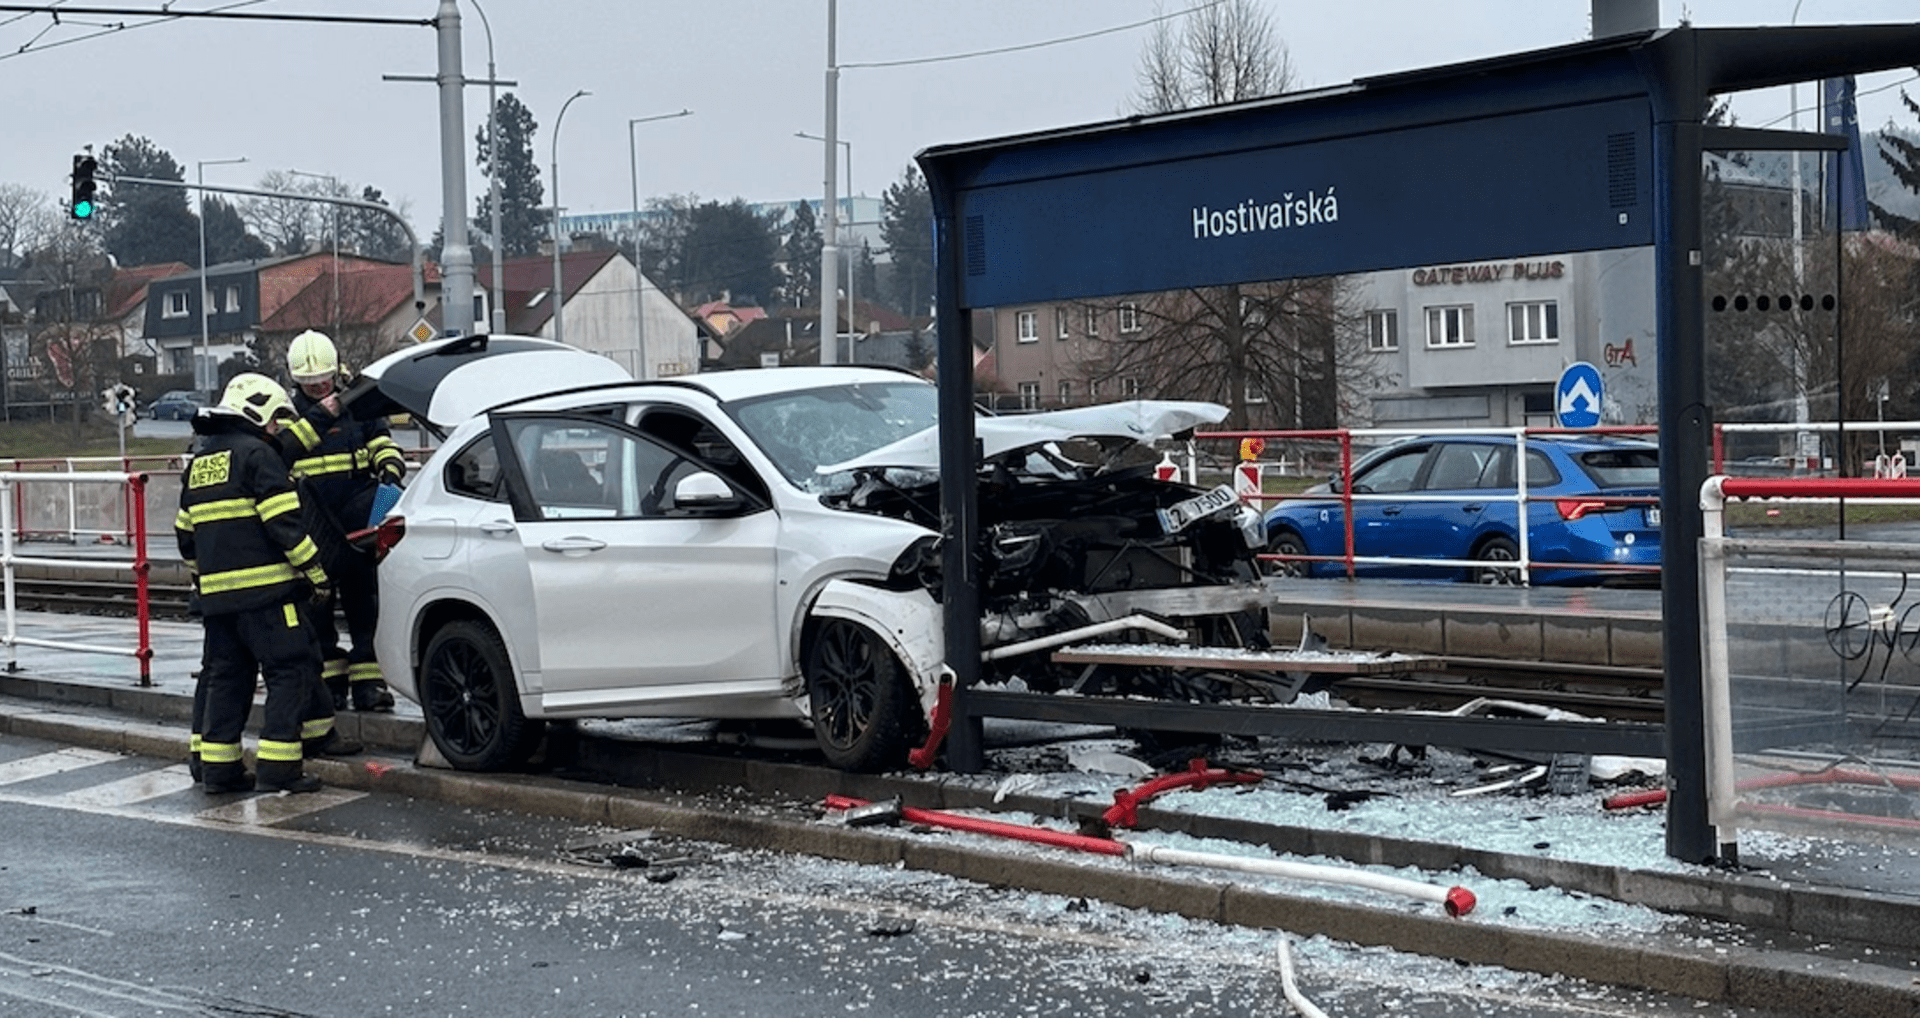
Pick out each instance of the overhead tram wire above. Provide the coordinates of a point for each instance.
(1030, 45)
(156, 17)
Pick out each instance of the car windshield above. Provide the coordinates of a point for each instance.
(1622, 468)
(801, 430)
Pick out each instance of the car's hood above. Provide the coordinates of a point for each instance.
(447, 381)
(1142, 420)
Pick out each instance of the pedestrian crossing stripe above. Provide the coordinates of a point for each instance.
(119, 796)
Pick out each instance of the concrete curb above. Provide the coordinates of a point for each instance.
(1745, 899)
(1717, 973)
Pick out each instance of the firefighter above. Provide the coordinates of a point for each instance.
(339, 463)
(240, 533)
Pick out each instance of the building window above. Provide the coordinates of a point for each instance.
(1029, 395)
(1093, 390)
(1060, 327)
(176, 306)
(233, 300)
(1383, 331)
(1450, 326)
(1129, 388)
(1093, 321)
(180, 361)
(1254, 395)
(1129, 317)
(1027, 326)
(1066, 393)
(1535, 321)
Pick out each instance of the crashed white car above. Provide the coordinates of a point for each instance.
(763, 544)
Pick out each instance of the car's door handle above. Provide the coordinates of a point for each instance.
(1473, 507)
(1392, 510)
(574, 545)
(495, 528)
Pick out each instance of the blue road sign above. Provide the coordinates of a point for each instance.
(1576, 400)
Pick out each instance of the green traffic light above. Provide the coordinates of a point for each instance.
(83, 210)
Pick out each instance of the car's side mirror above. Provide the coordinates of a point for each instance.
(1335, 482)
(706, 492)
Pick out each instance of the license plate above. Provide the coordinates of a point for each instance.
(1653, 516)
(1181, 515)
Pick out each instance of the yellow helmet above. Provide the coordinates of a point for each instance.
(311, 357)
(257, 398)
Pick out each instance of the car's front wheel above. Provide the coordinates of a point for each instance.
(864, 714)
(472, 706)
(1285, 542)
(1495, 551)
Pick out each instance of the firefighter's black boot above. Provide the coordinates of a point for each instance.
(372, 695)
(217, 779)
(286, 776)
(334, 744)
(338, 687)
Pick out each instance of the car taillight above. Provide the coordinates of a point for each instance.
(1573, 508)
(388, 534)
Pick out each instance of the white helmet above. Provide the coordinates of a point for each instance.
(257, 398)
(312, 358)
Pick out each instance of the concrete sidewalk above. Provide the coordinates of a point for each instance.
(1790, 941)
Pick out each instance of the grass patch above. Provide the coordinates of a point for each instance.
(55, 440)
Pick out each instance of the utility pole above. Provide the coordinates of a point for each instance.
(830, 227)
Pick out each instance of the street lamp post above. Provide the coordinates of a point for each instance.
(204, 376)
(852, 326)
(640, 277)
(497, 316)
(558, 295)
(333, 190)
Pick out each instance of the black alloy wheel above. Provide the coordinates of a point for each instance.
(862, 711)
(471, 703)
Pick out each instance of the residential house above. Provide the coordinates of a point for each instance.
(368, 310)
(599, 310)
(237, 298)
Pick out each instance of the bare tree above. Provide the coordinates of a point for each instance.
(1281, 354)
(1287, 354)
(24, 217)
(1218, 53)
(287, 225)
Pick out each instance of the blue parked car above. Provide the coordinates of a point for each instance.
(176, 405)
(1459, 505)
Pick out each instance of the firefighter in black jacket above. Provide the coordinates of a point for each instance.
(240, 532)
(339, 464)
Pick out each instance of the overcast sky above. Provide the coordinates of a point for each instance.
(311, 97)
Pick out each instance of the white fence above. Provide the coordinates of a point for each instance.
(1812, 667)
(126, 490)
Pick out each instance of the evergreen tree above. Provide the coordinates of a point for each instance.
(373, 234)
(803, 258)
(906, 224)
(524, 221)
(728, 250)
(227, 237)
(145, 223)
(1902, 153)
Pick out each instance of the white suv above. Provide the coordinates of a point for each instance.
(762, 544)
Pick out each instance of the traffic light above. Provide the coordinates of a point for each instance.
(81, 206)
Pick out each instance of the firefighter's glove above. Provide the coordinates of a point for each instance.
(393, 473)
(320, 590)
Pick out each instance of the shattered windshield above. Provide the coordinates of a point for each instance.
(799, 431)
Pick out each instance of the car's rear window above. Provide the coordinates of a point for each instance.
(1622, 468)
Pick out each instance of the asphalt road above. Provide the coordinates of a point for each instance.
(126, 892)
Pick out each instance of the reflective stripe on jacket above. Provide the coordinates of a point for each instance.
(239, 526)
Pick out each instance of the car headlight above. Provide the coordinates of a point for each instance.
(1253, 530)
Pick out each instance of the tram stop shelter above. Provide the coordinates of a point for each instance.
(1592, 146)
